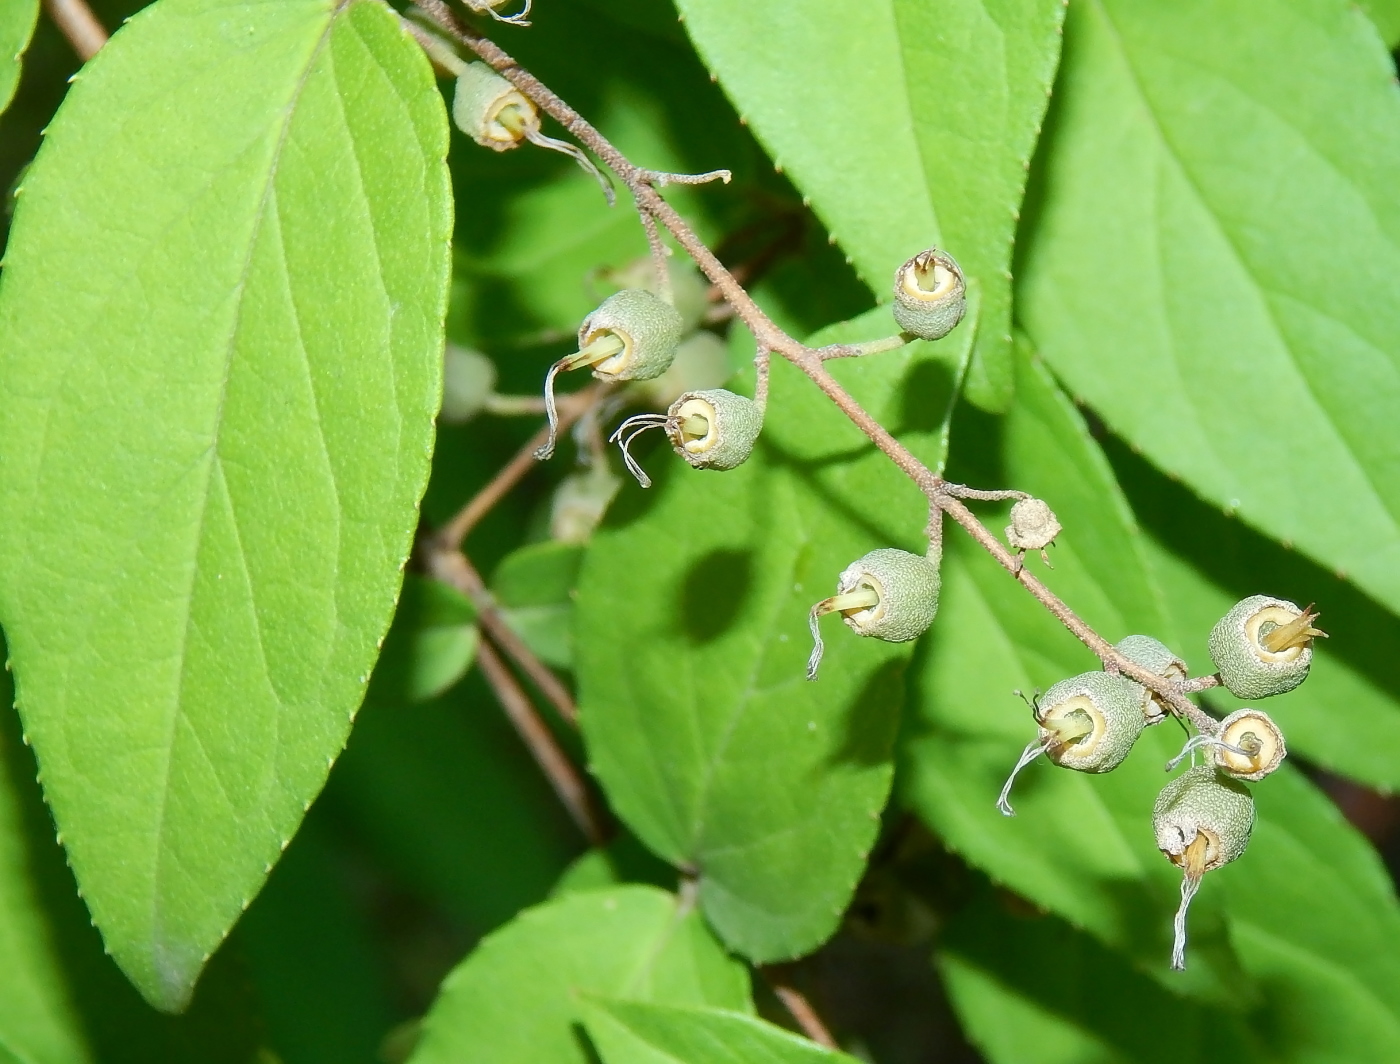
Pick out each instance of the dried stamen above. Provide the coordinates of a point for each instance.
(1202, 741)
(604, 347)
(628, 431)
(862, 598)
(1296, 633)
(1193, 864)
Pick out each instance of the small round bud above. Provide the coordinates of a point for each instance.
(701, 362)
(1202, 821)
(580, 501)
(492, 111)
(1251, 745)
(1263, 646)
(1033, 527)
(468, 382)
(714, 429)
(889, 594)
(1153, 655)
(930, 295)
(1088, 723)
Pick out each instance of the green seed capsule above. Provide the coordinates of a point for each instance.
(1153, 655)
(632, 336)
(1263, 646)
(1250, 745)
(1088, 723)
(492, 111)
(930, 295)
(1202, 821)
(468, 382)
(889, 594)
(714, 429)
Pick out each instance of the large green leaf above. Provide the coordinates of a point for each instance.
(221, 333)
(17, 18)
(1206, 561)
(1082, 845)
(1216, 263)
(630, 1032)
(38, 1023)
(1029, 989)
(692, 636)
(518, 997)
(917, 130)
(1386, 15)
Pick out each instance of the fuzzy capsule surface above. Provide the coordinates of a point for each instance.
(1033, 525)
(1247, 667)
(907, 587)
(1256, 733)
(1113, 706)
(1153, 655)
(732, 425)
(1202, 801)
(649, 328)
(930, 295)
(478, 102)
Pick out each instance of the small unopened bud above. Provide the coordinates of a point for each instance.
(580, 501)
(930, 295)
(1033, 527)
(1088, 723)
(468, 382)
(632, 336)
(1202, 821)
(1263, 646)
(1154, 656)
(889, 594)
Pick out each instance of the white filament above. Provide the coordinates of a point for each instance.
(1032, 751)
(1200, 742)
(628, 431)
(534, 136)
(1189, 885)
(546, 450)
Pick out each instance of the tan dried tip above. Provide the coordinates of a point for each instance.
(1297, 633)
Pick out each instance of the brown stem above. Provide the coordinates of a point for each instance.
(571, 408)
(568, 784)
(454, 569)
(799, 1008)
(76, 21)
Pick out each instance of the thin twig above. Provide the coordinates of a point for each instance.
(453, 568)
(799, 1008)
(76, 21)
(659, 254)
(568, 784)
(571, 408)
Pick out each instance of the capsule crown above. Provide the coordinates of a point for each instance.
(907, 586)
(648, 327)
(1112, 707)
(714, 428)
(930, 295)
(1263, 646)
(490, 110)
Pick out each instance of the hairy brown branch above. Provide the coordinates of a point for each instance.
(453, 568)
(566, 780)
(799, 1008)
(76, 21)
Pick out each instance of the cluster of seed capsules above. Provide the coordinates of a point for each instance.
(1202, 819)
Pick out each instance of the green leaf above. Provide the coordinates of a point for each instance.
(38, 1022)
(17, 19)
(629, 1032)
(692, 641)
(1082, 845)
(918, 131)
(1193, 178)
(430, 645)
(535, 588)
(518, 997)
(1032, 990)
(1386, 16)
(221, 326)
(1209, 562)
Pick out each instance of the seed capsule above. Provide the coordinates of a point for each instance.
(1088, 723)
(889, 594)
(1251, 745)
(1202, 821)
(1033, 527)
(492, 111)
(930, 295)
(1263, 646)
(710, 429)
(468, 382)
(632, 336)
(1153, 655)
